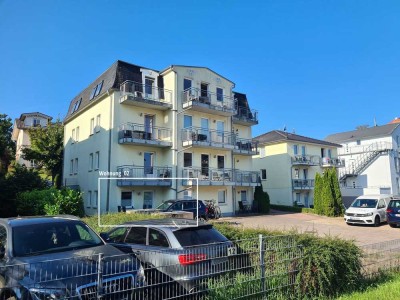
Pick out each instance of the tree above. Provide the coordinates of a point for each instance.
(261, 199)
(47, 149)
(318, 205)
(7, 146)
(337, 195)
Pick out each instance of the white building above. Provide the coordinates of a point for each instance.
(371, 157)
(183, 122)
(20, 133)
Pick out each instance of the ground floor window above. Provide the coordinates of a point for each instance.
(126, 199)
(222, 196)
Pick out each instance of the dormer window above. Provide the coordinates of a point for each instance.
(96, 90)
(76, 106)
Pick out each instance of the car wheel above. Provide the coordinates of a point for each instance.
(377, 221)
(350, 224)
(393, 225)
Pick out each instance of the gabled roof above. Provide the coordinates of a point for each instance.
(34, 114)
(112, 78)
(365, 133)
(278, 136)
(195, 67)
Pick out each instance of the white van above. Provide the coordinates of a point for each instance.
(368, 209)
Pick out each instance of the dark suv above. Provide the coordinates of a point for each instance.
(393, 212)
(177, 251)
(190, 205)
(62, 258)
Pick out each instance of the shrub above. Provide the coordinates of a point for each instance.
(261, 199)
(65, 201)
(32, 203)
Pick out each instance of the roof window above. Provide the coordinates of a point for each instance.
(76, 106)
(96, 90)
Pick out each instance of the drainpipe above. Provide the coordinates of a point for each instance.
(109, 151)
(175, 133)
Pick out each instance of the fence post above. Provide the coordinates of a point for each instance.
(100, 291)
(262, 263)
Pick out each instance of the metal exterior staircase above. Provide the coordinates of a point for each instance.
(365, 159)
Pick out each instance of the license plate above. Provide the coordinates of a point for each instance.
(218, 261)
(232, 251)
(354, 218)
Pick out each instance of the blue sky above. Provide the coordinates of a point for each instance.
(318, 67)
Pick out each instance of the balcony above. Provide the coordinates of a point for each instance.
(305, 160)
(246, 178)
(245, 116)
(207, 176)
(200, 137)
(138, 94)
(328, 162)
(139, 134)
(303, 184)
(245, 147)
(204, 101)
(144, 176)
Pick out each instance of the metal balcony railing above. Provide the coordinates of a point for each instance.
(146, 92)
(208, 174)
(129, 131)
(332, 162)
(305, 160)
(144, 175)
(214, 100)
(246, 145)
(246, 177)
(303, 183)
(247, 115)
(198, 134)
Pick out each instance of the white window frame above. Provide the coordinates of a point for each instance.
(97, 160)
(73, 136)
(224, 196)
(90, 162)
(295, 149)
(262, 152)
(91, 126)
(98, 123)
(126, 199)
(77, 134)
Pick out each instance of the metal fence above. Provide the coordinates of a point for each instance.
(260, 268)
(381, 257)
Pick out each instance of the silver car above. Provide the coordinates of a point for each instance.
(176, 251)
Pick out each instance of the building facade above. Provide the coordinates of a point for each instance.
(288, 164)
(138, 136)
(371, 155)
(20, 133)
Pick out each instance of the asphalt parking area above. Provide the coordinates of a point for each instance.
(320, 225)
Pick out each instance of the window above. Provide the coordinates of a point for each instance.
(96, 90)
(73, 135)
(187, 84)
(90, 162)
(358, 142)
(187, 121)
(97, 160)
(71, 167)
(220, 94)
(76, 105)
(89, 199)
(298, 198)
(137, 235)
(98, 123)
(296, 173)
(221, 162)
(243, 196)
(187, 160)
(77, 134)
(76, 166)
(36, 122)
(204, 89)
(330, 153)
(303, 150)
(221, 196)
(91, 126)
(148, 88)
(95, 199)
(118, 235)
(126, 199)
(305, 173)
(262, 152)
(295, 149)
(157, 238)
(263, 174)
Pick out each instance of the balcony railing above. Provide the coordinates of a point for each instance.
(133, 133)
(332, 162)
(303, 184)
(245, 115)
(144, 176)
(145, 95)
(246, 147)
(207, 138)
(246, 178)
(207, 176)
(205, 101)
(312, 160)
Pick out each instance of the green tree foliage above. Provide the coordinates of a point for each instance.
(261, 199)
(47, 148)
(31, 203)
(7, 146)
(19, 180)
(327, 195)
(318, 205)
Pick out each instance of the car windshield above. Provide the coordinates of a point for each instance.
(364, 203)
(165, 205)
(199, 236)
(36, 239)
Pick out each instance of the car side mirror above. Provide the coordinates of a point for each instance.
(105, 236)
(2, 251)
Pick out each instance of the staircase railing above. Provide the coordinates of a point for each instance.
(364, 159)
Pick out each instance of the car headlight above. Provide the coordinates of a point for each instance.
(47, 294)
(369, 214)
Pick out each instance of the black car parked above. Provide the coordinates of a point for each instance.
(62, 258)
(189, 205)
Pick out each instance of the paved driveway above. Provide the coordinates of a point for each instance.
(320, 225)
